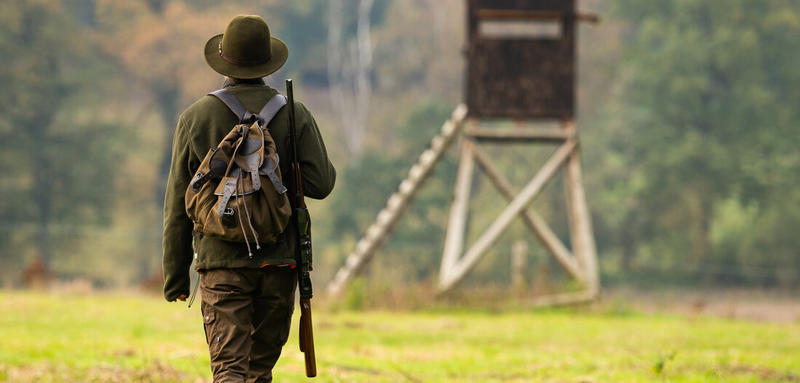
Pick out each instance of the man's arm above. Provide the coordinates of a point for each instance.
(319, 175)
(177, 245)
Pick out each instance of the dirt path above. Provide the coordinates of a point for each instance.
(757, 305)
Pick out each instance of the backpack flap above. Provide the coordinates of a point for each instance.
(242, 185)
(250, 155)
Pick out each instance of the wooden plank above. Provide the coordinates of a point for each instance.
(535, 223)
(519, 135)
(457, 224)
(591, 18)
(518, 14)
(397, 204)
(519, 203)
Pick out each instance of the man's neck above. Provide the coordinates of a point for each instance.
(238, 81)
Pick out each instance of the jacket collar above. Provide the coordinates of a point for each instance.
(240, 81)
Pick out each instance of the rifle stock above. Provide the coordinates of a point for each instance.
(302, 222)
(307, 338)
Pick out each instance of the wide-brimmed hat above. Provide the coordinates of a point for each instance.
(246, 49)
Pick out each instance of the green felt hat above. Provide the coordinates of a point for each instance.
(246, 49)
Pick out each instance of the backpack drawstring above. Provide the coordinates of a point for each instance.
(241, 224)
(247, 212)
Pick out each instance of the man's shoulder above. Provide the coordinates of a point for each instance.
(302, 112)
(203, 109)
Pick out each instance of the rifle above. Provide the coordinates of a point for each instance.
(302, 221)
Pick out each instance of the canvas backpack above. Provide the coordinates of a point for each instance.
(237, 193)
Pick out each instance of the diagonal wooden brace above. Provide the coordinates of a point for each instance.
(456, 271)
(535, 223)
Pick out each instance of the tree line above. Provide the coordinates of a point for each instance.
(687, 112)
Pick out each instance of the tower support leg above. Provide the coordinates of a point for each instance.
(580, 220)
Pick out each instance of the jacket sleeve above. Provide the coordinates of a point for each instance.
(177, 238)
(318, 172)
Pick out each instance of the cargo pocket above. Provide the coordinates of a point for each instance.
(209, 326)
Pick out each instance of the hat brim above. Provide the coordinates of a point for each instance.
(279, 55)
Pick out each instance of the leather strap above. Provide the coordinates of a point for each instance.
(271, 108)
(266, 114)
(231, 102)
(227, 192)
(268, 169)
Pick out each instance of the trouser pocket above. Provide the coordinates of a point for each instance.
(209, 323)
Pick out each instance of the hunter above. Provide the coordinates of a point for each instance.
(247, 292)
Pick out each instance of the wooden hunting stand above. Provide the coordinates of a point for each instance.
(521, 66)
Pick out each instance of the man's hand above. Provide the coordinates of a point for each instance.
(177, 286)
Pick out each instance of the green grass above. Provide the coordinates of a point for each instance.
(133, 338)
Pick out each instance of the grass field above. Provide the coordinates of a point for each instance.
(134, 338)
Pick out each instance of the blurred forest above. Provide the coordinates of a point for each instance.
(689, 113)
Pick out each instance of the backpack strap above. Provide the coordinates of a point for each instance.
(266, 114)
(232, 103)
(271, 108)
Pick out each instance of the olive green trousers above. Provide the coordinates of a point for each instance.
(247, 314)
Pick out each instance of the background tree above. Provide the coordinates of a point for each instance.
(57, 163)
(707, 115)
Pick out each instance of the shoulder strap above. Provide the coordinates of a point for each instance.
(232, 103)
(265, 115)
(271, 108)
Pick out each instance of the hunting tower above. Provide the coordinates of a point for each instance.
(520, 66)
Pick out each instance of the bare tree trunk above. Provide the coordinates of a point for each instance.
(350, 87)
(44, 202)
(335, 65)
(38, 130)
(438, 10)
(43, 185)
(363, 83)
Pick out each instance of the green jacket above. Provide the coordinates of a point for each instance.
(201, 127)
